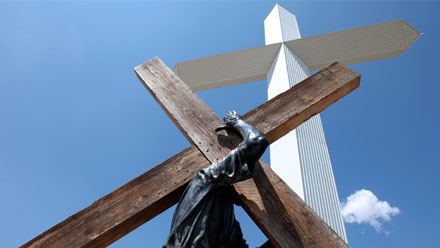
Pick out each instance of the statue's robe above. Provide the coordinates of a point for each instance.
(204, 217)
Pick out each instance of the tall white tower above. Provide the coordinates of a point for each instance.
(300, 158)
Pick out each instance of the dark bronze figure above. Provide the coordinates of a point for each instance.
(204, 216)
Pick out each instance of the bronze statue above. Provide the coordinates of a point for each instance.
(204, 216)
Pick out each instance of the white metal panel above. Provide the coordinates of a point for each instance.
(284, 153)
(319, 182)
(282, 25)
(289, 25)
(272, 23)
(229, 68)
(301, 157)
(350, 46)
(355, 45)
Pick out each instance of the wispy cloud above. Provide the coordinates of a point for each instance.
(364, 207)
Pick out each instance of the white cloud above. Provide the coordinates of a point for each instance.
(364, 207)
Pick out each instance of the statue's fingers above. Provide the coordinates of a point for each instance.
(219, 128)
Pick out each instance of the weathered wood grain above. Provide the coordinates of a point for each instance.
(126, 208)
(269, 207)
(131, 205)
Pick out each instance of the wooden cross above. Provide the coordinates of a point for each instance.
(282, 216)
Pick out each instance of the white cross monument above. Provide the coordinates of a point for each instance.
(300, 158)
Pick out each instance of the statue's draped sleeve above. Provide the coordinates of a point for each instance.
(204, 216)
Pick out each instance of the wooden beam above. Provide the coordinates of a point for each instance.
(271, 211)
(136, 202)
(126, 208)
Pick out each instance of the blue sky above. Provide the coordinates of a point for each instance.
(76, 123)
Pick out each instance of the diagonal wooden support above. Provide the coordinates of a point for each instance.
(141, 199)
(274, 214)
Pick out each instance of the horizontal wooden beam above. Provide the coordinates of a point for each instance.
(126, 208)
(131, 205)
(277, 210)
